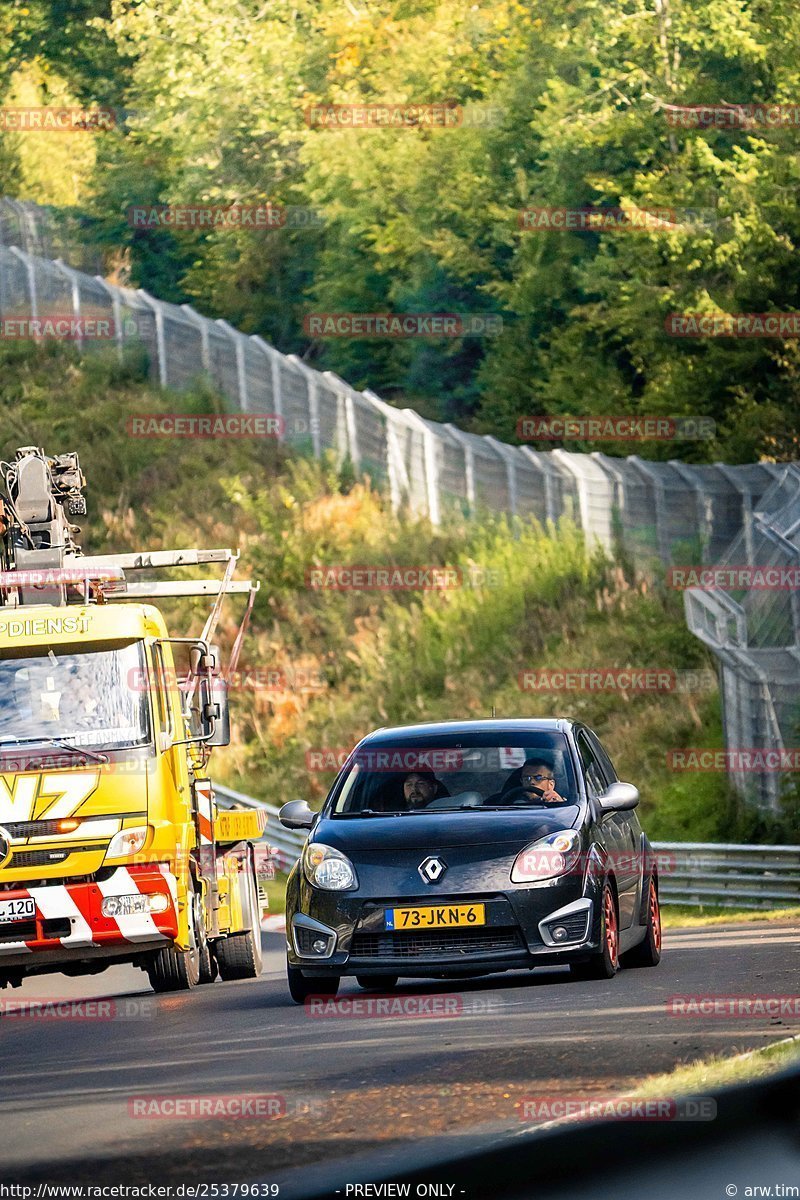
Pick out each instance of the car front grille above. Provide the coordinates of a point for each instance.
(436, 943)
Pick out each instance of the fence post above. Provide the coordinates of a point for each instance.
(72, 275)
(349, 430)
(469, 463)
(202, 325)
(507, 454)
(310, 377)
(30, 270)
(660, 505)
(241, 374)
(116, 308)
(399, 483)
(429, 457)
(271, 356)
(161, 346)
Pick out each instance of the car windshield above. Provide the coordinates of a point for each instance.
(87, 697)
(476, 772)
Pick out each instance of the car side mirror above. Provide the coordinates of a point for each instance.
(619, 797)
(296, 815)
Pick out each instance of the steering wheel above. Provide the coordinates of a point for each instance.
(518, 795)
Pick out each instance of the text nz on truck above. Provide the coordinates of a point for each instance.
(112, 846)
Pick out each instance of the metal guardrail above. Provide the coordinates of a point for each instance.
(693, 874)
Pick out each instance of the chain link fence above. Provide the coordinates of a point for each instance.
(657, 513)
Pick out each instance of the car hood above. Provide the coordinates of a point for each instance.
(420, 830)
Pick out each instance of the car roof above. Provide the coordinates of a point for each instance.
(517, 725)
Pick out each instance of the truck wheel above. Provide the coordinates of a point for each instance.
(174, 970)
(239, 955)
(208, 963)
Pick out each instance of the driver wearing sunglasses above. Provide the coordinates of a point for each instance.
(538, 782)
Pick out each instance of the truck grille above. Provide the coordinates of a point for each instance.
(436, 943)
(18, 931)
(26, 931)
(46, 858)
(26, 829)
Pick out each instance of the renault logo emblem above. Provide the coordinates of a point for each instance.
(432, 869)
(5, 844)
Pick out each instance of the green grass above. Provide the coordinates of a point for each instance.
(705, 1075)
(683, 917)
(276, 891)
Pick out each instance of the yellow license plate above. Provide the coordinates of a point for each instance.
(435, 916)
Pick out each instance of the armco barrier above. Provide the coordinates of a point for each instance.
(659, 513)
(694, 874)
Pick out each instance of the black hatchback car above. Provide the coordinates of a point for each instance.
(468, 847)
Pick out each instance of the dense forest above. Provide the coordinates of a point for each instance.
(575, 105)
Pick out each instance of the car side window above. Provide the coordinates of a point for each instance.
(593, 773)
(605, 762)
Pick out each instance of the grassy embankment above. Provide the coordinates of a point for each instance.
(539, 599)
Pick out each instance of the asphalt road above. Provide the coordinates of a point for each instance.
(77, 1091)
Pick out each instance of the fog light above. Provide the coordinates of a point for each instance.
(319, 946)
(559, 934)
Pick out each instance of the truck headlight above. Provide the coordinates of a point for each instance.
(328, 868)
(127, 842)
(551, 856)
(129, 906)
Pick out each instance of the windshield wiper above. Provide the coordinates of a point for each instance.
(27, 741)
(101, 758)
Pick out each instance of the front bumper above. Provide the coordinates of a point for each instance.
(69, 923)
(517, 934)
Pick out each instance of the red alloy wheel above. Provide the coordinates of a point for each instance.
(655, 916)
(612, 933)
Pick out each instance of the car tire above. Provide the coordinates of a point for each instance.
(300, 988)
(377, 983)
(648, 952)
(605, 964)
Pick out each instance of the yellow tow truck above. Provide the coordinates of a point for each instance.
(112, 848)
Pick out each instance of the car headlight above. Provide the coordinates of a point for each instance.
(327, 868)
(127, 842)
(551, 856)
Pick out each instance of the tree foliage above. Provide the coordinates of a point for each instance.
(566, 104)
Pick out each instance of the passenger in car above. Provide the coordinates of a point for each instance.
(421, 787)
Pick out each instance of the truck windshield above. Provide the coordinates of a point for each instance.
(88, 697)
